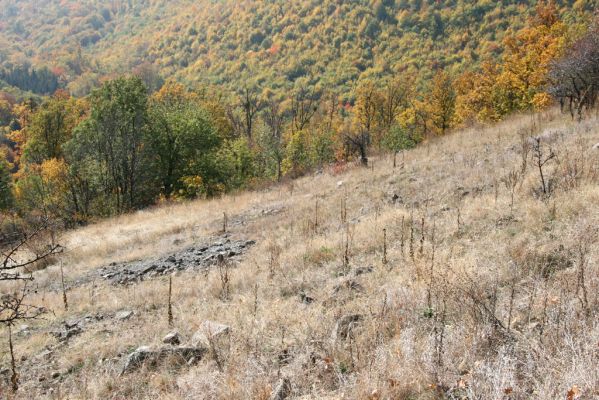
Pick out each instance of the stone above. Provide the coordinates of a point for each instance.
(304, 298)
(70, 329)
(145, 355)
(282, 390)
(349, 285)
(173, 338)
(596, 146)
(210, 333)
(123, 315)
(345, 325)
(363, 270)
(136, 359)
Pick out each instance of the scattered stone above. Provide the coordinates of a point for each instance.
(123, 315)
(339, 184)
(74, 327)
(23, 330)
(363, 270)
(173, 338)
(282, 390)
(55, 375)
(68, 332)
(210, 333)
(304, 298)
(345, 326)
(349, 285)
(147, 356)
(395, 198)
(44, 354)
(195, 257)
(596, 146)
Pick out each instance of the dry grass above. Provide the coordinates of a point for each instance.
(498, 303)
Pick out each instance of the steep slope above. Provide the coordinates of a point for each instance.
(275, 43)
(452, 276)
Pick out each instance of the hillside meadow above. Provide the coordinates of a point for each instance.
(451, 276)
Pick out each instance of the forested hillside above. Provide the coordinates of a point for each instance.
(141, 137)
(275, 43)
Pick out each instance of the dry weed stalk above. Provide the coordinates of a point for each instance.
(384, 247)
(170, 306)
(511, 181)
(225, 278)
(541, 158)
(64, 290)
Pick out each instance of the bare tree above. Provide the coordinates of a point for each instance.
(243, 117)
(357, 141)
(304, 105)
(542, 157)
(17, 259)
(274, 118)
(574, 78)
(393, 100)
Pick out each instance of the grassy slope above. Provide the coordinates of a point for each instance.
(551, 344)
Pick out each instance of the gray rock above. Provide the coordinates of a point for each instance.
(147, 356)
(173, 338)
(70, 329)
(195, 257)
(123, 315)
(282, 390)
(345, 325)
(210, 333)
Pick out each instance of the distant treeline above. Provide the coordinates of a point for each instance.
(40, 81)
(136, 141)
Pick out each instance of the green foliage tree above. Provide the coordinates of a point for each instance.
(400, 138)
(181, 138)
(112, 138)
(6, 197)
(51, 126)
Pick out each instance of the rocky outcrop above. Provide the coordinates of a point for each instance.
(195, 257)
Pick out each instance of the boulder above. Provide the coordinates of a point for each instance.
(210, 333)
(173, 338)
(123, 315)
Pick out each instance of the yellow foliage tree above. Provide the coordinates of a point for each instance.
(442, 103)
